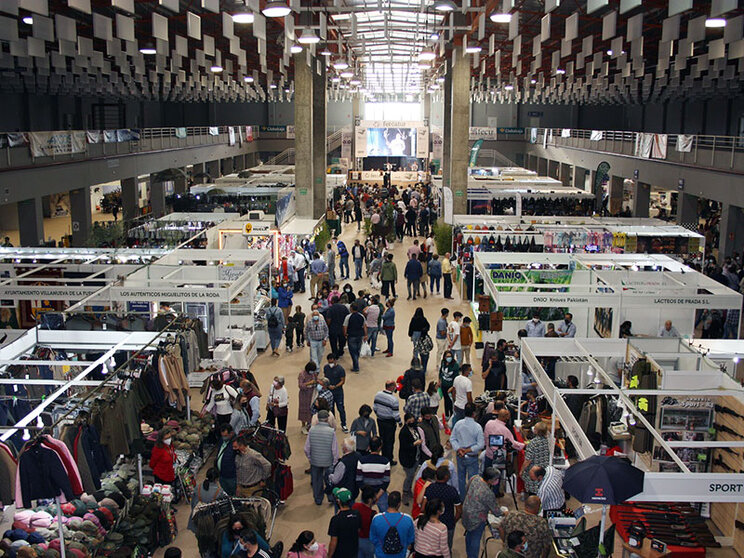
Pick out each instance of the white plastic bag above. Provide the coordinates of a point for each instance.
(366, 350)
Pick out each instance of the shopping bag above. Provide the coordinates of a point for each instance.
(366, 350)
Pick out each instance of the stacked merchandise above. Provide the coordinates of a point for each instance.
(274, 446)
(543, 206)
(212, 520)
(680, 526)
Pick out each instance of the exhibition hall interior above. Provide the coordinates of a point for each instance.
(509, 234)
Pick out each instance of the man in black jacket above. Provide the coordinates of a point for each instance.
(344, 473)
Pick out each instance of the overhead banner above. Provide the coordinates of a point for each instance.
(249, 133)
(437, 145)
(391, 138)
(422, 142)
(49, 144)
(478, 133)
(448, 205)
(684, 143)
(346, 140)
(474, 152)
(696, 487)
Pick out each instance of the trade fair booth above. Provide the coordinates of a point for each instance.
(501, 172)
(175, 228)
(573, 234)
(673, 412)
(602, 291)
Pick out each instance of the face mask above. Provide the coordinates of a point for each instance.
(524, 547)
(449, 359)
(410, 424)
(347, 290)
(320, 388)
(167, 442)
(313, 547)
(567, 321)
(242, 546)
(316, 318)
(535, 320)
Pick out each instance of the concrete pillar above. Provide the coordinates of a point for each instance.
(157, 196)
(687, 211)
(320, 143)
(356, 114)
(427, 108)
(641, 199)
(227, 166)
(579, 178)
(239, 162)
(303, 119)
(130, 198)
(213, 169)
(447, 128)
(197, 168)
(597, 190)
(554, 169)
(80, 216)
(565, 174)
(31, 222)
(460, 130)
(732, 231)
(180, 184)
(542, 166)
(616, 194)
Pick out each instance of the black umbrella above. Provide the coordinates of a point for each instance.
(603, 480)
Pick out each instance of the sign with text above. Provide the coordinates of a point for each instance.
(695, 487)
(510, 131)
(480, 133)
(48, 144)
(272, 129)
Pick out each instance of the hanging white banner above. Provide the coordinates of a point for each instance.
(448, 201)
(290, 132)
(48, 144)
(684, 143)
(422, 143)
(360, 142)
(437, 145)
(346, 140)
(231, 135)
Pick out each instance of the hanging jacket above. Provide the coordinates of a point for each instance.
(40, 474)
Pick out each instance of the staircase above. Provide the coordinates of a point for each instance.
(287, 157)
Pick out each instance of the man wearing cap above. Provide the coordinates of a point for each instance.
(252, 468)
(321, 449)
(344, 527)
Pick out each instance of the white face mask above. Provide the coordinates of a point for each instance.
(535, 320)
(167, 441)
(313, 548)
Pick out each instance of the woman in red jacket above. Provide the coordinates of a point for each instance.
(162, 458)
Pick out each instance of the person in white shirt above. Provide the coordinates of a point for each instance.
(220, 400)
(669, 330)
(567, 328)
(462, 392)
(299, 263)
(453, 337)
(277, 406)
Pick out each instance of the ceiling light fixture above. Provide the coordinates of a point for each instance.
(560, 71)
(473, 49)
(422, 65)
(272, 86)
(340, 64)
(715, 22)
(148, 48)
(308, 37)
(609, 52)
(294, 49)
(248, 79)
(335, 79)
(500, 18)
(216, 69)
(434, 37)
(28, 20)
(326, 52)
(276, 8)
(355, 81)
(509, 87)
(533, 81)
(444, 5)
(243, 17)
(341, 16)
(347, 74)
(440, 79)
(427, 54)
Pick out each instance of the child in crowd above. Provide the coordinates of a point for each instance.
(466, 339)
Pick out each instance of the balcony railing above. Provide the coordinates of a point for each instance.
(717, 152)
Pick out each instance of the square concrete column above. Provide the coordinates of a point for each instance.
(227, 166)
(213, 169)
(732, 231)
(197, 168)
(579, 178)
(320, 144)
(31, 222)
(542, 166)
(616, 194)
(554, 169)
(130, 198)
(157, 196)
(180, 184)
(80, 216)
(460, 130)
(303, 119)
(687, 211)
(641, 199)
(565, 174)
(447, 128)
(239, 163)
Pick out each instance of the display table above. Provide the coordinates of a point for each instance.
(625, 515)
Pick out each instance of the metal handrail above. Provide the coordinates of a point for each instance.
(713, 147)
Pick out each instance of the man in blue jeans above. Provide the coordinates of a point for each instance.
(468, 441)
(479, 501)
(336, 376)
(358, 253)
(343, 254)
(355, 330)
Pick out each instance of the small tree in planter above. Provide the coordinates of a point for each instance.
(443, 237)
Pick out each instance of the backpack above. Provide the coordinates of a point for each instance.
(391, 543)
(272, 320)
(424, 344)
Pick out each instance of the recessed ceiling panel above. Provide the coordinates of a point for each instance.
(545, 28)
(733, 30)
(159, 27)
(102, 27)
(172, 5)
(679, 6)
(627, 5)
(126, 5)
(594, 5)
(8, 29)
(670, 29)
(635, 28)
(124, 27)
(609, 25)
(720, 7)
(43, 28)
(193, 26)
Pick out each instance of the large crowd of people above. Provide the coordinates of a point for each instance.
(454, 458)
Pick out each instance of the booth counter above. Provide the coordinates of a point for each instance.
(602, 291)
